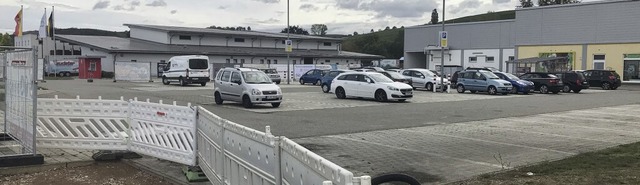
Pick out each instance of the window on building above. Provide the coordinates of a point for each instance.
(134, 60)
(235, 61)
(268, 61)
(184, 37)
(327, 61)
(598, 61)
(242, 61)
(511, 58)
(473, 59)
(275, 61)
(92, 66)
(77, 52)
(228, 61)
(490, 59)
(238, 39)
(59, 52)
(261, 61)
(327, 44)
(283, 41)
(294, 61)
(163, 61)
(68, 52)
(51, 52)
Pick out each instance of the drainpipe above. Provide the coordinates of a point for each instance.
(115, 55)
(252, 41)
(228, 41)
(275, 43)
(200, 40)
(318, 45)
(170, 40)
(298, 44)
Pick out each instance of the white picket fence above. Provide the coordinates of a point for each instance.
(227, 152)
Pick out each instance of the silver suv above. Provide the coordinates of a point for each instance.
(249, 86)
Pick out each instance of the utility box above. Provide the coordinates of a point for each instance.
(90, 67)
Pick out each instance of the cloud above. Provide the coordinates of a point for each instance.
(130, 7)
(308, 8)
(267, 21)
(135, 3)
(222, 7)
(390, 8)
(464, 5)
(268, 1)
(157, 3)
(174, 11)
(501, 1)
(101, 5)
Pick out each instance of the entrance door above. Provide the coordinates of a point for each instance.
(631, 70)
(308, 60)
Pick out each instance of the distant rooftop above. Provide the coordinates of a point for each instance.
(191, 30)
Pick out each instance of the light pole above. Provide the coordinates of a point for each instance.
(442, 52)
(288, 74)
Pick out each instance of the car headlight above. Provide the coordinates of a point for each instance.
(256, 92)
(393, 88)
(279, 91)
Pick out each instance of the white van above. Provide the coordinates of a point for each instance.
(187, 70)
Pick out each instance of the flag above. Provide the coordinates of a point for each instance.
(42, 32)
(50, 25)
(18, 19)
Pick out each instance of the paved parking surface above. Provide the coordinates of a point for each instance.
(450, 152)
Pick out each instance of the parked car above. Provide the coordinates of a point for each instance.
(273, 74)
(544, 82)
(397, 77)
(370, 85)
(328, 78)
(606, 79)
(394, 70)
(376, 69)
(573, 81)
(482, 81)
(492, 69)
(364, 70)
(187, 70)
(313, 76)
(248, 86)
(424, 78)
(519, 85)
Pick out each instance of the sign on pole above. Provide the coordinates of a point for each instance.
(443, 39)
(289, 47)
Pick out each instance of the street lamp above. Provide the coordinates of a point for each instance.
(288, 73)
(442, 52)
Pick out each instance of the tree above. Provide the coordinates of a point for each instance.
(434, 16)
(526, 3)
(6, 40)
(248, 28)
(394, 27)
(355, 33)
(319, 29)
(387, 28)
(371, 30)
(295, 30)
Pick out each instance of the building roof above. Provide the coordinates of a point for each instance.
(188, 30)
(539, 59)
(128, 45)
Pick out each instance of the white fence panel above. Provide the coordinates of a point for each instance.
(301, 166)
(163, 131)
(82, 123)
(133, 71)
(20, 97)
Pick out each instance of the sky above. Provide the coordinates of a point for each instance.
(340, 16)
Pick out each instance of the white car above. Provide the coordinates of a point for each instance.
(370, 85)
(424, 78)
(249, 86)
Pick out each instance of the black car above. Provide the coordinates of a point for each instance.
(397, 77)
(606, 79)
(544, 82)
(573, 81)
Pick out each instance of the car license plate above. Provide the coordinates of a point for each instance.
(508, 89)
(584, 82)
(272, 97)
(194, 78)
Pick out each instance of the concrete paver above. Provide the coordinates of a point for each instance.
(451, 152)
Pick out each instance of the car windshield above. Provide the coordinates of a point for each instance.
(198, 64)
(271, 71)
(380, 78)
(428, 73)
(334, 73)
(549, 76)
(255, 77)
(489, 75)
(511, 76)
(395, 75)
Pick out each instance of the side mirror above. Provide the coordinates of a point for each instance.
(423, 77)
(237, 82)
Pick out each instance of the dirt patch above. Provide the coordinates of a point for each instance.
(111, 173)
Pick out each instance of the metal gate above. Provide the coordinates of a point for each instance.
(20, 97)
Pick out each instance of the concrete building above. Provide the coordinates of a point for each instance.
(156, 44)
(477, 44)
(592, 35)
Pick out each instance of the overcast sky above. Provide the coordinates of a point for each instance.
(340, 16)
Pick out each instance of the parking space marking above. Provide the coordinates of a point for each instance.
(612, 114)
(487, 141)
(566, 125)
(419, 151)
(552, 134)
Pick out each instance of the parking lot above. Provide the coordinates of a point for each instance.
(436, 137)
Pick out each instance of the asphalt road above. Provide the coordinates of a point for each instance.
(418, 136)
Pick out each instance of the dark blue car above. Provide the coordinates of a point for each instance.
(313, 76)
(518, 84)
(325, 81)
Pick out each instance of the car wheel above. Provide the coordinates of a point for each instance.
(577, 90)
(606, 86)
(218, 98)
(429, 86)
(182, 82)
(318, 82)
(340, 94)
(325, 88)
(473, 91)
(278, 82)
(165, 81)
(381, 96)
(460, 89)
(301, 81)
(544, 89)
(492, 90)
(566, 89)
(276, 105)
(203, 84)
(246, 102)
(61, 74)
(67, 74)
